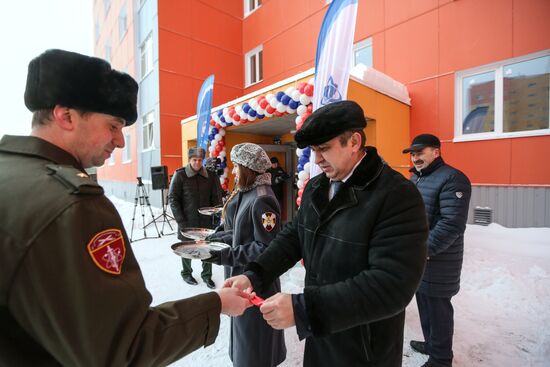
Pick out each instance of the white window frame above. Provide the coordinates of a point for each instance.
(361, 45)
(259, 65)
(122, 22)
(97, 29)
(146, 56)
(106, 7)
(127, 150)
(148, 125)
(112, 159)
(108, 53)
(498, 132)
(248, 9)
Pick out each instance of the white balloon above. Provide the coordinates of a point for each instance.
(299, 152)
(305, 100)
(217, 137)
(253, 103)
(243, 115)
(238, 108)
(297, 120)
(250, 118)
(211, 149)
(307, 167)
(281, 107)
(303, 175)
(300, 184)
(301, 110)
(223, 153)
(269, 96)
(222, 132)
(260, 110)
(290, 110)
(274, 102)
(311, 81)
(237, 123)
(296, 95)
(267, 114)
(289, 91)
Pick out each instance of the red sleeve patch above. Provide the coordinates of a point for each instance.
(107, 250)
(269, 220)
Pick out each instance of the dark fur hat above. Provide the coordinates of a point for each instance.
(196, 152)
(330, 121)
(58, 77)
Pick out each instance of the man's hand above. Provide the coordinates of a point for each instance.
(241, 282)
(234, 301)
(214, 258)
(278, 311)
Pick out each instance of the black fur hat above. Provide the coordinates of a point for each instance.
(330, 121)
(58, 77)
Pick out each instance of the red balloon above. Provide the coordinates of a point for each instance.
(301, 87)
(224, 186)
(298, 201)
(222, 142)
(299, 125)
(263, 103)
(212, 122)
(237, 117)
(300, 192)
(270, 109)
(214, 154)
(310, 107)
(308, 90)
(218, 126)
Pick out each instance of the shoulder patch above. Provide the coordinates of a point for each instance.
(78, 182)
(459, 194)
(269, 220)
(107, 250)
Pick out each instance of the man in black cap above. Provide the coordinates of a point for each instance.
(361, 231)
(194, 187)
(446, 192)
(71, 291)
(278, 178)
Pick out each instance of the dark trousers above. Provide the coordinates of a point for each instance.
(436, 318)
(187, 269)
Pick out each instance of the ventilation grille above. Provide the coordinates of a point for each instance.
(483, 216)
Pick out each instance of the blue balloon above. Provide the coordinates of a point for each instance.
(260, 116)
(222, 119)
(220, 113)
(293, 104)
(252, 113)
(246, 107)
(300, 167)
(285, 100)
(279, 96)
(223, 165)
(229, 124)
(306, 152)
(214, 131)
(303, 160)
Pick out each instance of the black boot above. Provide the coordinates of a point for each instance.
(419, 346)
(209, 283)
(188, 278)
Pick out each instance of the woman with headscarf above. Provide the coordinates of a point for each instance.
(250, 220)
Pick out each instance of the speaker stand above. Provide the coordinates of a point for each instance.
(166, 218)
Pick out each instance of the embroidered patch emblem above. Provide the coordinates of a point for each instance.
(459, 194)
(107, 250)
(268, 221)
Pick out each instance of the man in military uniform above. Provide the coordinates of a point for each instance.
(278, 178)
(71, 291)
(194, 187)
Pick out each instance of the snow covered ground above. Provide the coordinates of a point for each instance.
(502, 313)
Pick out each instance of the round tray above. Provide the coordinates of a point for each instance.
(196, 233)
(197, 249)
(210, 210)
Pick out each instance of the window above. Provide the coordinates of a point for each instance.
(148, 130)
(127, 151)
(250, 6)
(106, 6)
(112, 159)
(122, 22)
(147, 56)
(362, 53)
(253, 66)
(505, 99)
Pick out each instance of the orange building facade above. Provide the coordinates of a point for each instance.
(477, 73)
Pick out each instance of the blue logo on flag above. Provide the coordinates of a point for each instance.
(331, 92)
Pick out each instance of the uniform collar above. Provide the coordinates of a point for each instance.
(37, 147)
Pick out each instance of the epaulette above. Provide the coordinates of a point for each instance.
(261, 190)
(181, 169)
(78, 182)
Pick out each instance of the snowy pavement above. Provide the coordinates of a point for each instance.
(502, 313)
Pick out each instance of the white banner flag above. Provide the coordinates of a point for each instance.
(333, 60)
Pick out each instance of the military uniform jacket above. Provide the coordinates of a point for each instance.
(253, 218)
(364, 252)
(71, 291)
(189, 191)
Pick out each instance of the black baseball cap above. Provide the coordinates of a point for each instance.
(422, 141)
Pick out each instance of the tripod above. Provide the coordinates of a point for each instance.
(164, 215)
(143, 198)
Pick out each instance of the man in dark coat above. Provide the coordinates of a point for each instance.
(194, 187)
(361, 231)
(278, 178)
(446, 192)
(71, 291)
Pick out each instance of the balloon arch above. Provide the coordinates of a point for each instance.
(292, 100)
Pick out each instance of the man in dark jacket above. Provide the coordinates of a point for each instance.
(71, 291)
(446, 192)
(278, 178)
(194, 187)
(361, 230)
